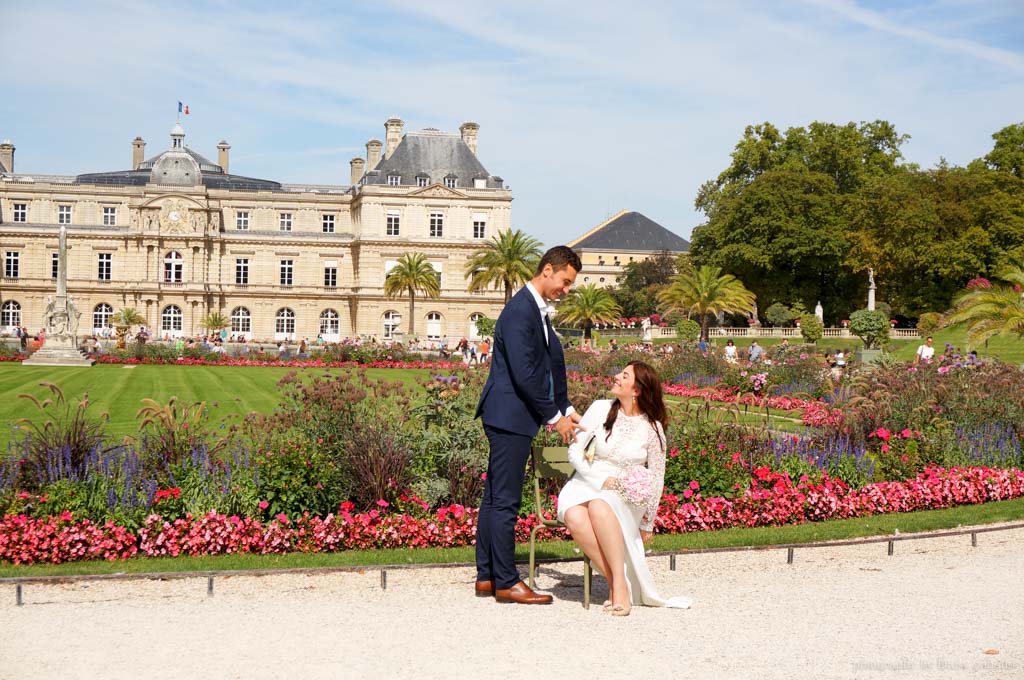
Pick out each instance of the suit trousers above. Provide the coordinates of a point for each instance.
(499, 511)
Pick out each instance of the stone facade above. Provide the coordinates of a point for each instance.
(177, 238)
(625, 237)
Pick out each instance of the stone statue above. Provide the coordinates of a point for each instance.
(646, 326)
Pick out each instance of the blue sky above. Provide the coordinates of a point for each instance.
(585, 108)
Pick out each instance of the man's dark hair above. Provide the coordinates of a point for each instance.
(559, 258)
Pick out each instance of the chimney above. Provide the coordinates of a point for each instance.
(469, 131)
(7, 156)
(393, 127)
(138, 152)
(356, 164)
(222, 155)
(373, 148)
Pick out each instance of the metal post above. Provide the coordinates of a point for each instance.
(17, 590)
(974, 539)
(209, 586)
(672, 562)
(789, 555)
(383, 579)
(891, 544)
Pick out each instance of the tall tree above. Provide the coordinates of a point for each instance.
(412, 273)
(508, 259)
(989, 310)
(1008, 153)
(706, 292)
(587, 305)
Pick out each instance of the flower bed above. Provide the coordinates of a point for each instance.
(290, 363)
(772, 499)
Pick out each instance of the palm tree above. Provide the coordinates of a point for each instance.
(994, 310)
(215, 321)
(508, 259)
(412, 273)
(123, 321)
(704, 292)
(587, 305)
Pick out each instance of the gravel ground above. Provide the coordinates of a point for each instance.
(937, 608)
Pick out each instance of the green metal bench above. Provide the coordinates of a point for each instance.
(552, 462)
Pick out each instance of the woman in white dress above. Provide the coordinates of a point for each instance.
(626, 431)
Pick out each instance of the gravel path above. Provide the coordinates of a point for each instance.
(937, 608)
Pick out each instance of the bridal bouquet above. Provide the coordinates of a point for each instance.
(635, 485)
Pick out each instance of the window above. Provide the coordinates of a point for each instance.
(101, 315)
(174, 267)
(391, 323)
(11, 261)
(285, 221)
(330, 323)
(242, 220)
(242, 271)
(394, 180)
(21, 212)
(436, 225)
(330, 277)
(479, 226)
(327, 221)
(241, 320)
(287, 272)
(474, 333)
(422, 181)
(104, 266)
(10, 314)
(54, 265)
(449, 182)
(394, 226)
(285, 321)
(109, 216)
(601, 280)
(63, 214)
(171, 320)
(433, 326)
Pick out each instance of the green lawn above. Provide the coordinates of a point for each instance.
(119, 390)
(880, 525)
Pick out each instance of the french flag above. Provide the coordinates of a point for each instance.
(183, 108)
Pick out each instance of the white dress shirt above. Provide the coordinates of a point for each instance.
(544, 308)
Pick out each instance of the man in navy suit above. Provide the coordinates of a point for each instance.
(526, 388)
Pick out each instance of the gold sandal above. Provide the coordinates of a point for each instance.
(607, 606)
(619, 610)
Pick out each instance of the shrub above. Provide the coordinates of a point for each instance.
(778, 314)
(929, 322)
(688, 330)
(812, 329)
(871, 326)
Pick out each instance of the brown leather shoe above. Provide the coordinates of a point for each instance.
(484, 588)
(520, 593)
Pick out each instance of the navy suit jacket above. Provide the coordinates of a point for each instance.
(516, 396)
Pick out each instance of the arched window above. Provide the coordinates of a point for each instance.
(474, 334)
(241, 320)
(174, 267)
(171, 319)
(434, 322)
(392, 320)
(284, 323)
(101, 315)
(10, 314)
(330, 324)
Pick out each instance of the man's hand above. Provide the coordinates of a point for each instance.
(567, 428)
(575, 417)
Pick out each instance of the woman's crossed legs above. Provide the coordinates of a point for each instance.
(596, 529)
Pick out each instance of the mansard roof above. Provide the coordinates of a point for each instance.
(434, 154)
(633, 232)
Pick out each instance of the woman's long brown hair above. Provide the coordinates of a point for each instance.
(650, 401)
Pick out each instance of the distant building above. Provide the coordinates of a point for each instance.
(178, 237)
(626, 237)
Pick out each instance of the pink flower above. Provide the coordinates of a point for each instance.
(23, 495)
(282, 518)
(382, 503)
(907, 433)
(263, 505)
(885, 448)
(687, 493)
(694, 485)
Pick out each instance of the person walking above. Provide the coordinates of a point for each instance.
(526, 388)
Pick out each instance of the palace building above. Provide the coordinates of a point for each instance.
(625, 237)
(178, 237)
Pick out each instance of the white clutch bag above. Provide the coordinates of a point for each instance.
(590, 449)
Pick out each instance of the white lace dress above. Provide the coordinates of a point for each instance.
(632, 442)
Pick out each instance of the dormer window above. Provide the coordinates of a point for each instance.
(450, 182)
(480, 183)
(394, 180)
(422, 181)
